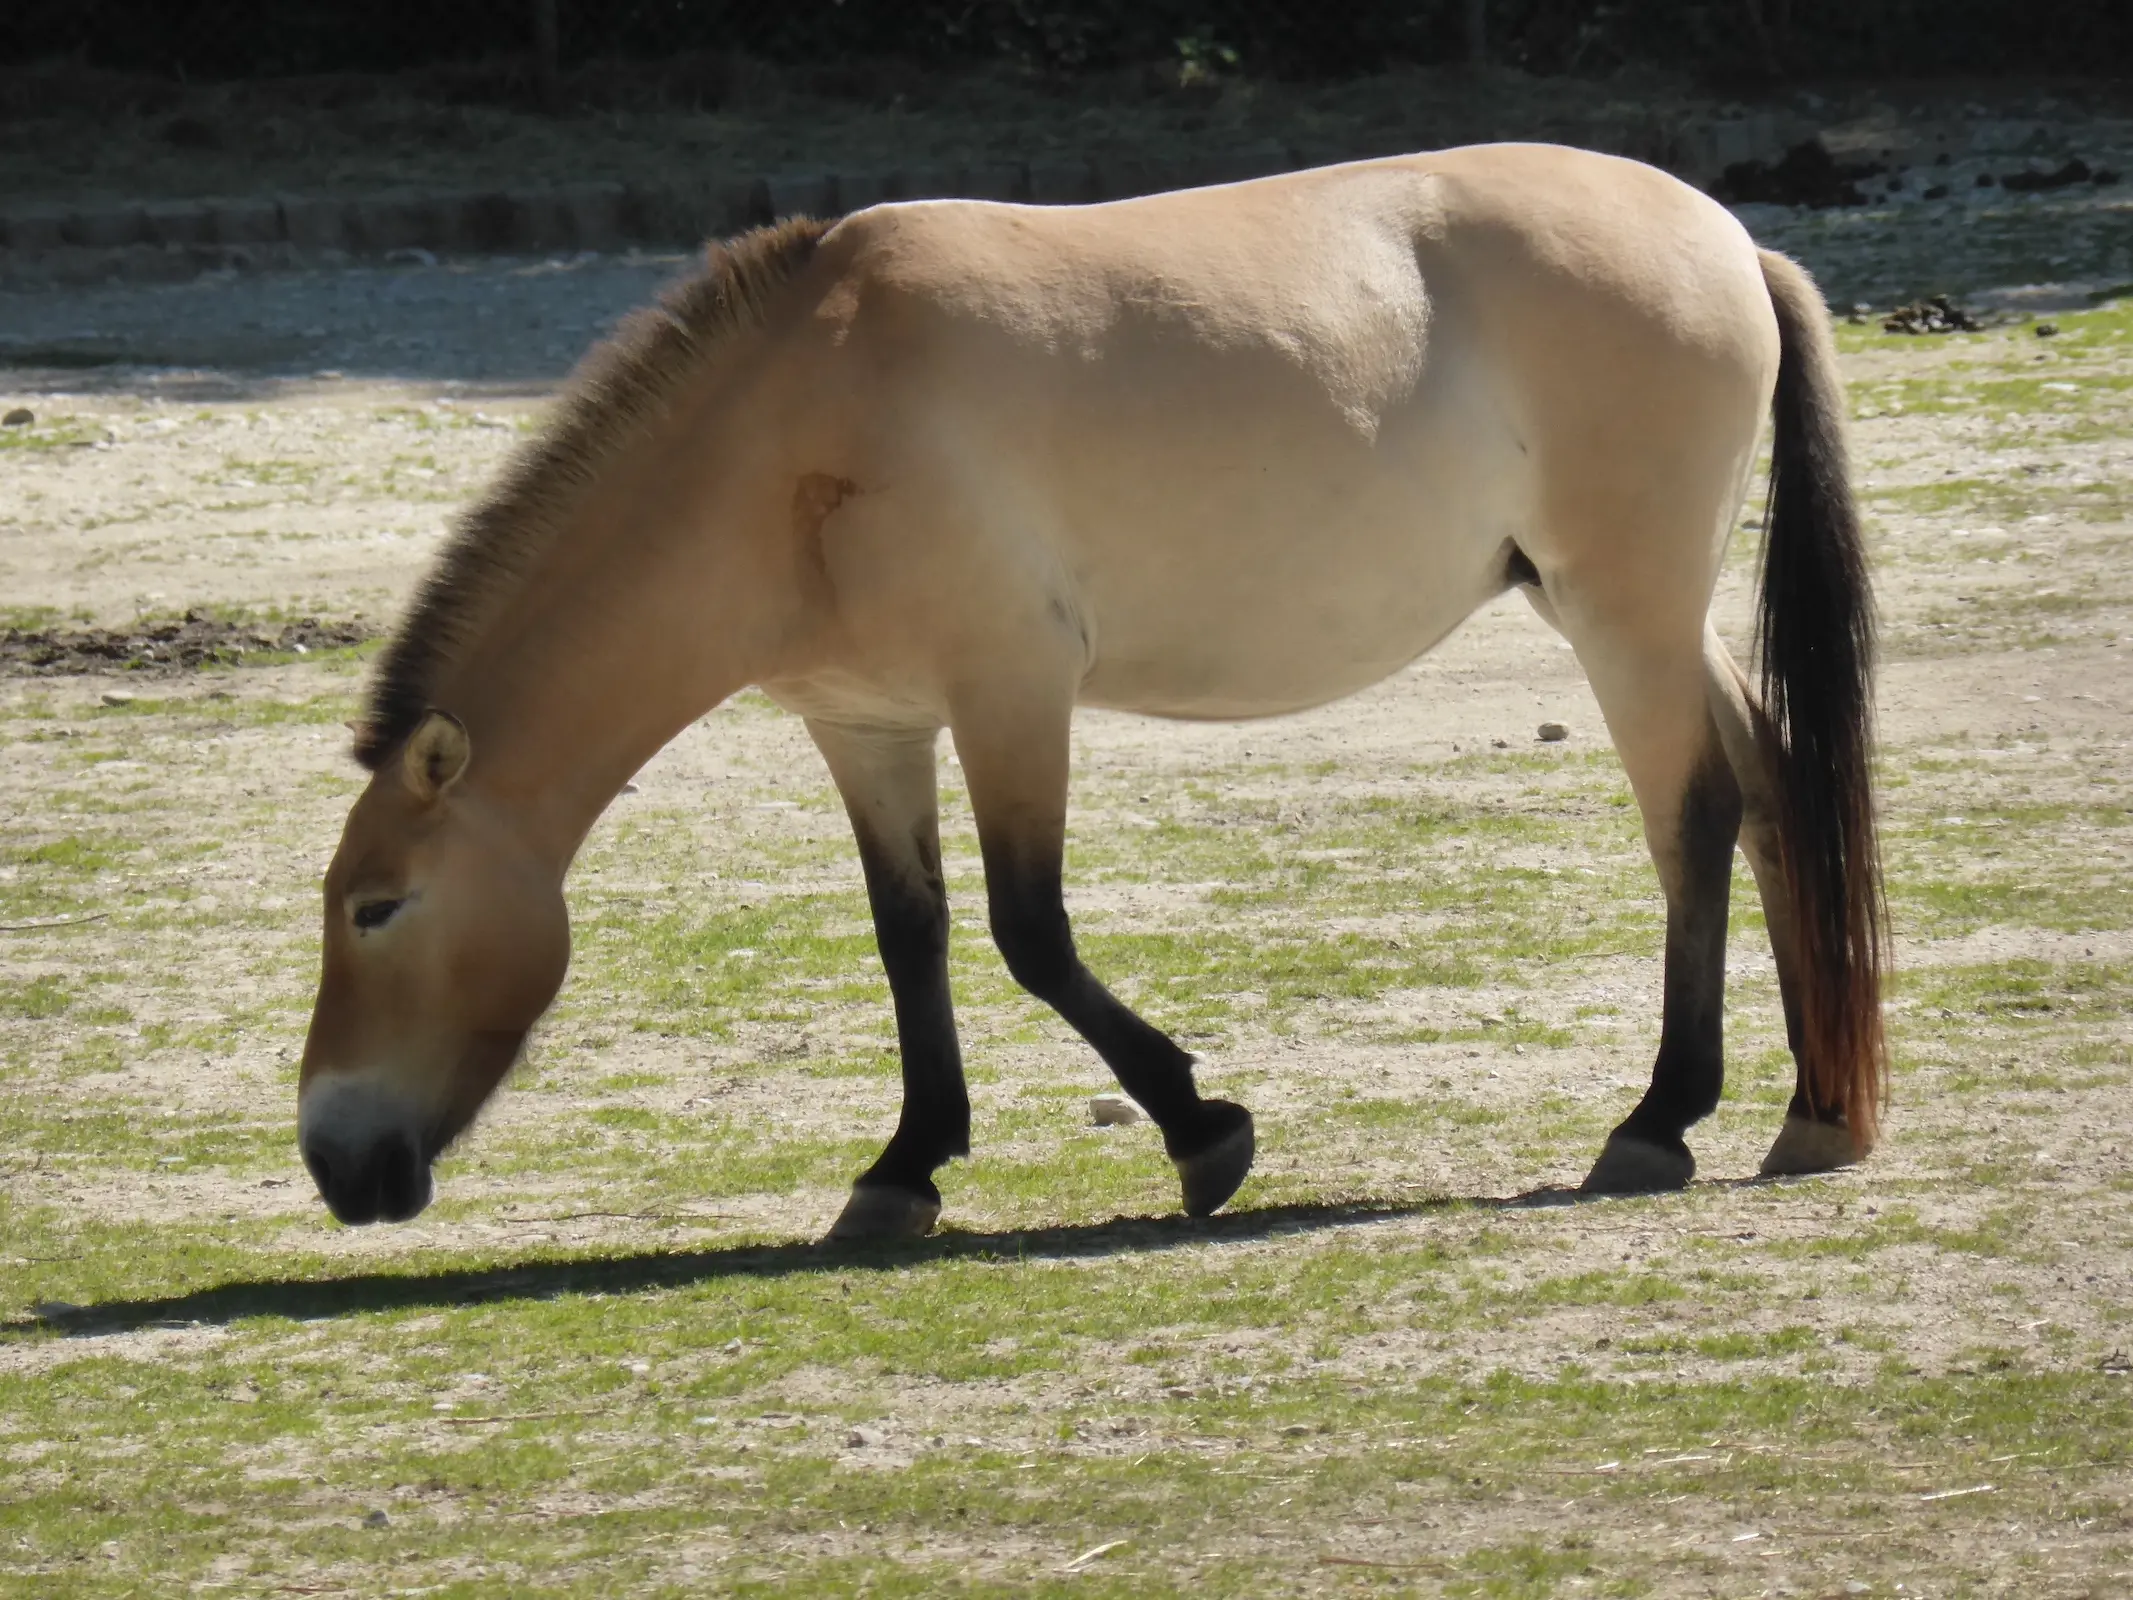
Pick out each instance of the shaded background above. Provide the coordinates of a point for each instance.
(504, 46)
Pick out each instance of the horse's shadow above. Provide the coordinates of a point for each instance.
(313, 1299)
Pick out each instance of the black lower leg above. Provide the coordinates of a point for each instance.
(911, 927)
(1803, 1106)
(1690, 1069)
(1029, 923)
(1759, 839)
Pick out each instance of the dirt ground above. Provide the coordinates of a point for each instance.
(261, 449)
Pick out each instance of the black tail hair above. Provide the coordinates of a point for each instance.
(1815, 636)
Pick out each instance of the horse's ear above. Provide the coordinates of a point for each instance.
(436, 755)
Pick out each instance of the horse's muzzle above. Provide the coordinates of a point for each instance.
(383, 1178)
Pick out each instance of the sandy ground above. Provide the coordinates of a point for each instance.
(308, 440)
(296, 444)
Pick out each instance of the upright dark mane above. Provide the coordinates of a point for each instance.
(621, 386)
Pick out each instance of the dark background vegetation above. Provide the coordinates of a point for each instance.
(493, 42)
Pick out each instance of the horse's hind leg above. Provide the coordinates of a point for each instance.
(1652, 693)
(1814, 1137)
(1015, 757)
(887, 780)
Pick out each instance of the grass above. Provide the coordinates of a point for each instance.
(736, 1390)
(1246, 1405)
(50, 434)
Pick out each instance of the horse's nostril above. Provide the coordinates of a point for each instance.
(388, 1179)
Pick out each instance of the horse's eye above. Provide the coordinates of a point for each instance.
(375, 914)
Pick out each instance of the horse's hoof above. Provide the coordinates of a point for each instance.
(1212, 1176)
(1804, 1145)
(1630, 1166)
(879, 1212)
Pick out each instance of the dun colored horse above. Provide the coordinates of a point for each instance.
(1225, 453)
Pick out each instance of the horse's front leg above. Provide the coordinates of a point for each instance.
(1014, 750)
(886, 777)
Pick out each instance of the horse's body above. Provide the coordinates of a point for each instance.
(1225, 453)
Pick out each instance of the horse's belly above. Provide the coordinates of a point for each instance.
(1258, 627)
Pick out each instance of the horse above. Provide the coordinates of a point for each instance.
(1229, 452)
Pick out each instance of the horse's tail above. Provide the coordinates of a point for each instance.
(1815, 635)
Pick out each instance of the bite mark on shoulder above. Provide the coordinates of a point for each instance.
(815, 496)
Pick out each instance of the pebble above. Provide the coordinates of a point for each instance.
(1113, 1111)
(865, 1439)
(1553, 733)
(2046, 330)
(376, 1519)
(20, 417)
(116, 697)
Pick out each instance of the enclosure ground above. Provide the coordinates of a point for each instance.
(1419, 943)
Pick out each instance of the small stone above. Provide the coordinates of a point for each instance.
(116, 697)
(20, 417)
(628, 788)
(864, 1439)
(376, 1519)
(2046, 330)
(1113, 1111)
(1499, 744)
(1553, 733)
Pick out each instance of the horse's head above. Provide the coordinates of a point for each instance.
(446, 937)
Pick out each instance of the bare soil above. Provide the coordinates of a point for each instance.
(188, 643)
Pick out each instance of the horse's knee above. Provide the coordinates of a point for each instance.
(1038, 946)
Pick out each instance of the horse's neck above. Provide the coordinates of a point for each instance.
(637, 621)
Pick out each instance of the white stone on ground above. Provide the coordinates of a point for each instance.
(1113, 1111)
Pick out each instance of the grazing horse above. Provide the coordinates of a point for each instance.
(1225, 453)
